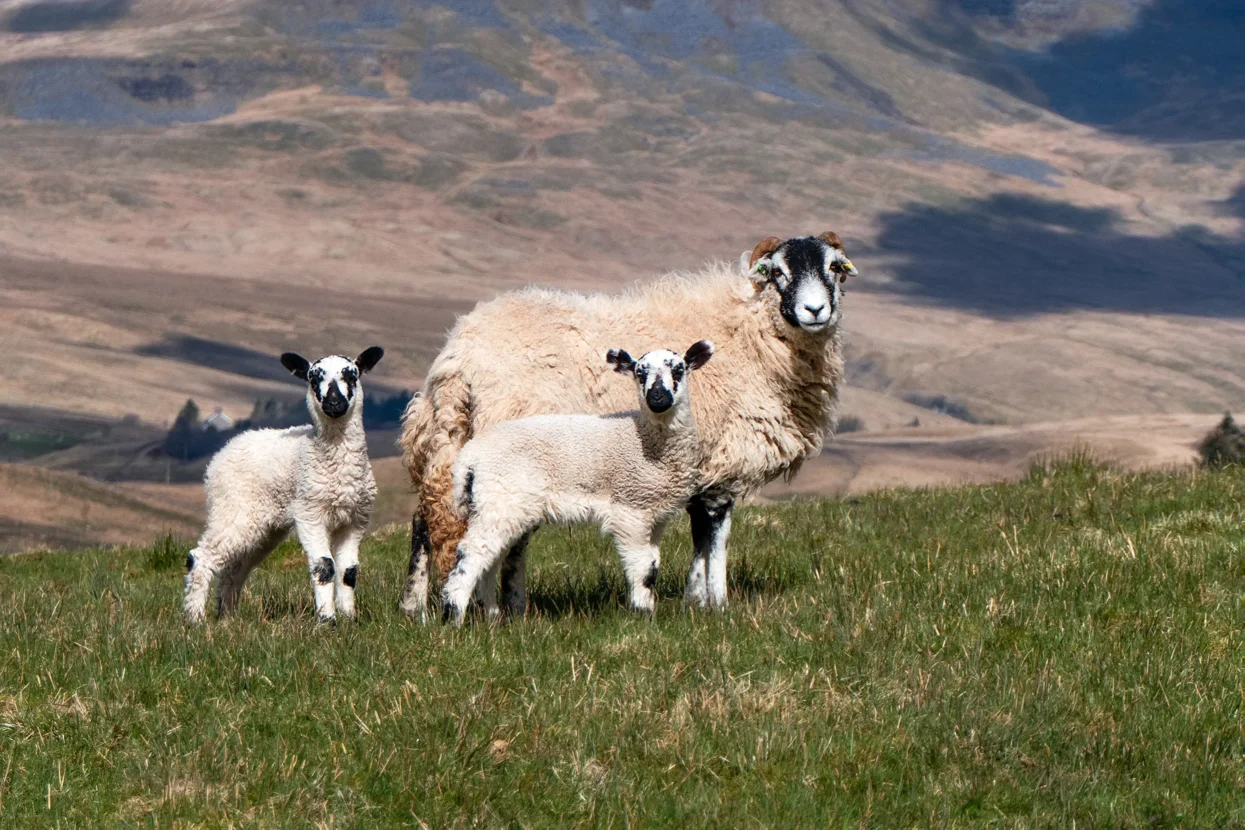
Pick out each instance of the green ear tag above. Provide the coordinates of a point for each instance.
(762, 269)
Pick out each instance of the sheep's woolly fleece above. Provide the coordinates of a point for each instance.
(762, 405)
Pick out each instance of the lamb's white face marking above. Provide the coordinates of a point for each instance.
(661, 375)
(331, 383)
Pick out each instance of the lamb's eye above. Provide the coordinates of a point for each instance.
(677, 373)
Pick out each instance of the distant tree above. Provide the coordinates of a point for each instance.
(1223, 445)
(850, 423)
(181, 436)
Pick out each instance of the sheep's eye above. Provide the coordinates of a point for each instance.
(677, 373)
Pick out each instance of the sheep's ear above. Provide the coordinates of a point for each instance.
(622, 362)
(698, 354)
(370, 357)
(839, 263)
(297, 364)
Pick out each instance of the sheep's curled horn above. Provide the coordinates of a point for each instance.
(765, 247)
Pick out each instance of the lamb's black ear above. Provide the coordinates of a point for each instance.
(370, 357)
(698, 354)
(296, 363)
(622, 362)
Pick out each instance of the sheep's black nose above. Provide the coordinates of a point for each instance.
(814, 310)
(334, 405)
(659, 399)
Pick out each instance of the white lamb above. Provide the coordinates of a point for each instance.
(315, 479)
(630, 472)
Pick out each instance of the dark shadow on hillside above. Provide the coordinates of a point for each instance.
(1010, 255)
(66, 15)
(214, 354)
(1234, 205)
(1169, 77)
(1176, 74)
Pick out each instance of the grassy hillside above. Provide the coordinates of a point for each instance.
(1063, 650)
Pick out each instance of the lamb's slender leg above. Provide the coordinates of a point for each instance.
(514, 578)
(314, 538)
(641, 559)
(478, 552)
(200, 570)
(486, 591)
(414, 601)
(346, 560)
(233, 574)
(711, 527)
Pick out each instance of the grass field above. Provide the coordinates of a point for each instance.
(1067, 650)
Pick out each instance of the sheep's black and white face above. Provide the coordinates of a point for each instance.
(807, 273)
(332, 381)
(661, 374)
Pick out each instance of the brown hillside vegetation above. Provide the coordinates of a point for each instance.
(191, 188)
(45, 509)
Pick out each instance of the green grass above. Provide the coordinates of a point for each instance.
(1064, 650)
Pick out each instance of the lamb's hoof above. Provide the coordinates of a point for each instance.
(451, 614)
(327, 620)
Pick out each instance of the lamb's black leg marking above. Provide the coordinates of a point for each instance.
(710, 515)
(514, 577)
(351, 576)
(419, 545)
(324, 571)
(415, 596)
(650, 579)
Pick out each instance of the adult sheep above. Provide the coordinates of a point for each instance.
(763, 405)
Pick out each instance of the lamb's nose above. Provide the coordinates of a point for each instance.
(815, 310)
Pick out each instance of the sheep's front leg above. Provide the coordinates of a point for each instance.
(514, 578)
(479, 551)
(314, 538)
(641, 559)
(200, 570)
(486, 592)
(346, 558)
(414, 602)
(711, 527)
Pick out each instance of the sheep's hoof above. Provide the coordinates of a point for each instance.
(450, 613)
(328, 620)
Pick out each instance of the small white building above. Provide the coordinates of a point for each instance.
(218, 421)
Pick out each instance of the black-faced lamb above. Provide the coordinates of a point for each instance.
(628, 472)
(765, 403)
(315, 479)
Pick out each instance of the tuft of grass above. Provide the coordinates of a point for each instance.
(1064, 649)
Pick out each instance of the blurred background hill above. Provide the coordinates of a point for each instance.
(1046, 199)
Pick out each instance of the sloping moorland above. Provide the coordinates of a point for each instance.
(1045, 200)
